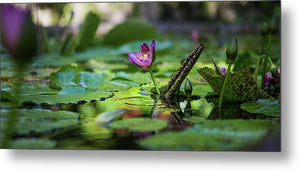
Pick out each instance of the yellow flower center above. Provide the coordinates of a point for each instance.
(144, 56)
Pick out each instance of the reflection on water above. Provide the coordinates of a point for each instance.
(180, 114)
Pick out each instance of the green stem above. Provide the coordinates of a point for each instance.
(154, 81)
(269, 45)
(224, 85)
(263, 74)
(257, 67)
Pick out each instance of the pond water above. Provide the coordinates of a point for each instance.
(96, 99)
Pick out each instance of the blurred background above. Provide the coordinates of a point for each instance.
(225, 17)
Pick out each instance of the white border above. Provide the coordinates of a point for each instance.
(288, 159)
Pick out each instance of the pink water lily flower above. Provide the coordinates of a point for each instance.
(195, 36)
(145, 58)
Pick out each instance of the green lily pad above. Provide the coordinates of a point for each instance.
(195, 119)
(214, 135)
(202, 106)
(266, 107)
(139, 124)
(241, 85)
(130, 31)
(40, 121)
(33, 143)
(64, 77)
(201, 89)
(68, 95)
(90, 79)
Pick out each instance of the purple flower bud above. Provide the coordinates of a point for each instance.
(18, 33)
(195, 36)
(269, 77)
(145, 58)
(223, 71)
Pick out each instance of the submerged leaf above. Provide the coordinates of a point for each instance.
(139, 124)
(106, 117)
(241, 85)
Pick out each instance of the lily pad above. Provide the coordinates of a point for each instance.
(201, 89)
(195, 119)
(202, 106)
(64, 77)
(40, 121)
(266, 107)
(33, 143)
(139, 124)
(90, 80)
(214, 135)
(241, 85)
(68, 95)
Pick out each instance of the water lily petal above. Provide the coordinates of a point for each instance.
(135, 58)
(152, 49)
(12, 24)
(145, 48)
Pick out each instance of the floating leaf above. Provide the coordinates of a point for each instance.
(214, 135)
(266, 107)
(68, 95)
(40, 121)
(195, 119)
(64, 77)
(201, 89)
(130, 31)
(241, 85)
(33, 143)
(139, 124)
(202, 106)
(90, 79)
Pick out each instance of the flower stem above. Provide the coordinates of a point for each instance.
(154, 81)
(224, 85)
(264, 70)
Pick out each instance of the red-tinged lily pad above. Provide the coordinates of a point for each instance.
(241, 85)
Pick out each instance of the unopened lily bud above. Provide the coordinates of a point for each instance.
(232, 51)
(18, 33)
(188, 88)
(264, 29)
